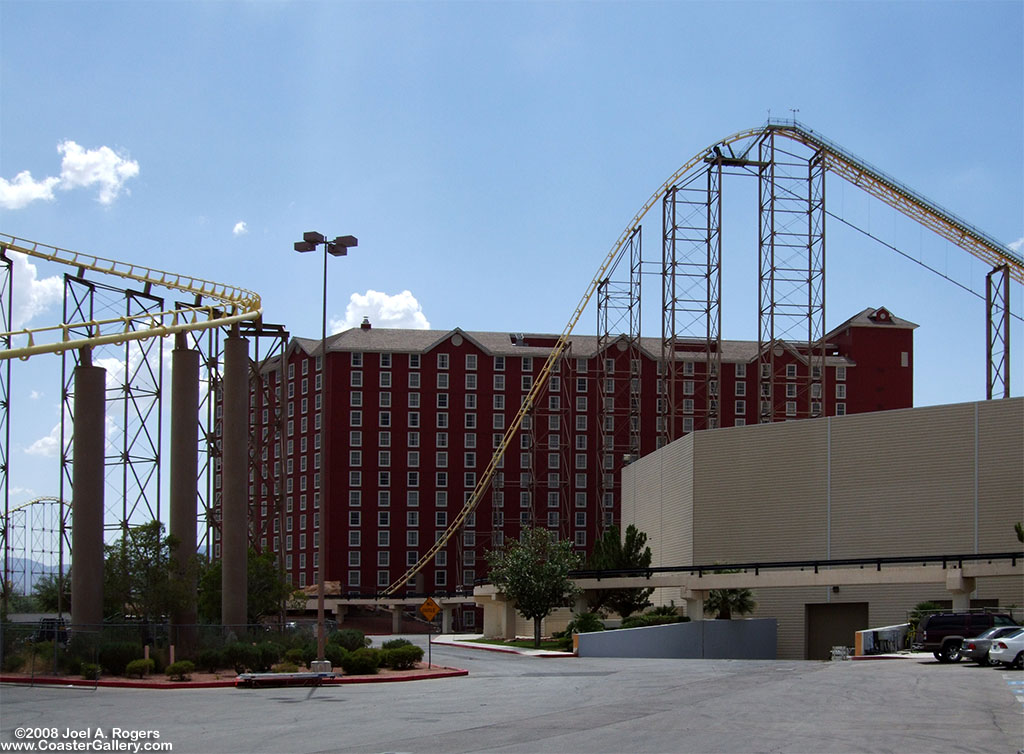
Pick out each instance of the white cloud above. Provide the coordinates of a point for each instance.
(399, 311)
(1018, 244)
(32, 296)
(88, 167)
(47, 446)
(35, 395)
(24, 189)
(240, 228)
(79, 168)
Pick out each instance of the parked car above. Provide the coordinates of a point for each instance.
(1008, 650)
(943, 634)
(976, 649)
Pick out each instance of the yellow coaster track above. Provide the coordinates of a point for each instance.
(230, 305)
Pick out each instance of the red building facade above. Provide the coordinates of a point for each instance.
(413, 416)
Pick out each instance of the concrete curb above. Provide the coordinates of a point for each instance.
(226, 684)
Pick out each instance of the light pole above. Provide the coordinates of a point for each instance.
(337, 248)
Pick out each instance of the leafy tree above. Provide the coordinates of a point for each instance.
(137, 576)
(1019, 528)
(612, 552)
(533, 572)
(268, 588)
(46, 590)
(722, 603)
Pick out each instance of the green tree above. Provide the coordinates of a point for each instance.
(1019, 528)
(533, 572)
(46, 590)
(612, 552)
(722, 603)
(137, 576)
(268, 588)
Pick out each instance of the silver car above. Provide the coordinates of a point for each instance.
(976, 649)
(1008, 650)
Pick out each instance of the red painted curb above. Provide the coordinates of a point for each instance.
(336, 681)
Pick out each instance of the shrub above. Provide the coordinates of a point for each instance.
(285, 667)
(240, 656)
(335, 653)
(349, 638)
(294, 656)
(267, 654)
(115, 656)
(360, 662)
(139, 668)
(308, 652)
(181, 670)
(12, 662)
(396, 643)
(90, 671)
(402, 658)
(211, 660)
(652, 619)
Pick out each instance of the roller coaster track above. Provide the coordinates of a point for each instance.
(230, 305)
(837, 160)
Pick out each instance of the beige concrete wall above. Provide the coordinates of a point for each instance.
(928, 481)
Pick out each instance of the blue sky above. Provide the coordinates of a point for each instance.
(488, 155)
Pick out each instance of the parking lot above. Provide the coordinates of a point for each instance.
(510, 703)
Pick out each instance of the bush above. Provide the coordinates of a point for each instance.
(12, 662)
(396, 643)
(294, 656)
(285, 667)
(90, 671)
(181, 670)
(335, 653)
(139, 668)
(240, 656)
(349, 638)
(268, 653)
(211, 660)
(652, 619)
(308, 652)
(115, 656)
(360, 662)
(404, 657)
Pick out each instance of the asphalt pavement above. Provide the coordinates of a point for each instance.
(516, 703)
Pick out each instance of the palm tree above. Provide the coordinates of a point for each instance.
(725, 602)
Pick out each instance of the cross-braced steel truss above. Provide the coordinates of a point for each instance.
(619, 365)
(997, 332)
(6, 325)
(691, 330)
(36, 543)
(791, 289)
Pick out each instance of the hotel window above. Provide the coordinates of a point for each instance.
(384, 538)
(581, 422)
(440, 518)
(384, 399)
(414, 380)
(499, 363)
(442, 381)
(414, 400)
(552, 460)
(766, 408)
(414, 361)
(355, 418)
(291, 370)
(741, 407)
(441, 499)
(816, 408)
(412, 479)
(766, 389)
(499, 382)
(470, 382)
(355, 518)
(442, 400)
(527, 364)
(766, 371)
(470, 421)
(688, 424)
(412, 539)
(441, 460)
(384, 518)
(498, 422)
(385, 379)
(840, 374)
(470, 361)
(840, 409)
(790, 408)
(384, 458)
(741, 388)
(841, 392)
(554, 403)
(413, 418)
(355, 458)
(553, 519)
(688, 369)
(354, 538)
(353, 578)
(357, 359)
(816, 390)
(385, 361)
(688, 406)
(741, 370)
(442, 361)
(791, 390)
(441, 479)
(355, 478)
(469, 480)
(355, 497)
(414, 439)
(442, 421)
(790, 371)
(441, 439)
(816, 372)
(527, 381)
(470, 401)
(353, 558)
(688, 387)
(355, 379)
(384, 439)
(383, 578)
(412, 498)
(470, 460)
(355, 398)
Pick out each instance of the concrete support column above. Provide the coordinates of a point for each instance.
(961, 588)
(87, 494)
(234, 482)
(396, 619)
(695, 604)
(446, 620)
(580, 606)
(184, 473)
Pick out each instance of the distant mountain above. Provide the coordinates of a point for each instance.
(24, 573)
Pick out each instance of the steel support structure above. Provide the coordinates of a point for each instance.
(6, 326)
(33, 537)
(618, 368)
(997, 333)
(691, 285)
(791, 283)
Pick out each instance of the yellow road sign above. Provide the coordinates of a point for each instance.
(430, 609)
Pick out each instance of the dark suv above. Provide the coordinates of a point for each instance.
(943, 633)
